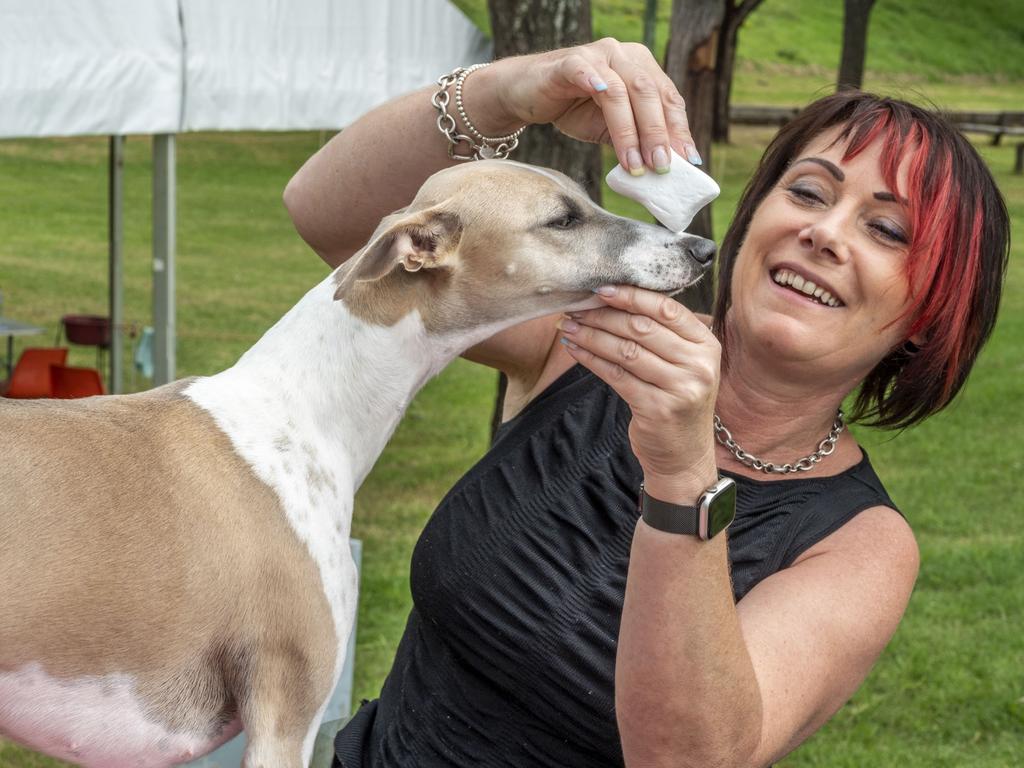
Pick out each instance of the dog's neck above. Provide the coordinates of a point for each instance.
(310, 407)
(324, 383)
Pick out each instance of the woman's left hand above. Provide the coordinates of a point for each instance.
(665, 363)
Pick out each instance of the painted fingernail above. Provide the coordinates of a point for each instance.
(568, 343)
(636, 162)
(598, 84)
(606, 290)
(568, 326)
(693, 155)
(661, 162)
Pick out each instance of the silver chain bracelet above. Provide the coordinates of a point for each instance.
(498, 147)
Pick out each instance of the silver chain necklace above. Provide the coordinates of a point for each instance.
(825, 448)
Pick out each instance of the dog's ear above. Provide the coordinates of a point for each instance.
(420, 240)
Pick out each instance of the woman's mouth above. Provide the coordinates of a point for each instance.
(808, 288)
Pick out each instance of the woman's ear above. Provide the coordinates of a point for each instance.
(425, 239)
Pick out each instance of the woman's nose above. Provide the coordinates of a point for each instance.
(828, 236)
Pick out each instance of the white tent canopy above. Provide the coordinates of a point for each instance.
(89, 67)
(115, 67)
(161, 67)
(281, 65)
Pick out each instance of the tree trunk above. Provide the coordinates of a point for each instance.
(735, 15)
(650, 23)
(529, 26)
(723, 78)
(855, 43)
(690, 61)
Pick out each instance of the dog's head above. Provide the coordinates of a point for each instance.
(496, 241)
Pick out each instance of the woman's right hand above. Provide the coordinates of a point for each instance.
(605, 91)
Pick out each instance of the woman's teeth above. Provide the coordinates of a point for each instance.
(797, 283)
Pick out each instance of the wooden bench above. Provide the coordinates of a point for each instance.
(994, 124)
(997, 132)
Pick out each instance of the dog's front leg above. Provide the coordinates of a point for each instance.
(282, 710)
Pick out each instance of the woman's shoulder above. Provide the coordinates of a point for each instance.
(779, 521)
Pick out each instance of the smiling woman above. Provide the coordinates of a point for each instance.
(572, 603)
(937, 215)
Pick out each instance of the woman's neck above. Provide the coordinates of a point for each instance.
(779, 417)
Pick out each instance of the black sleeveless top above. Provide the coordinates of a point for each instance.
(508, 657)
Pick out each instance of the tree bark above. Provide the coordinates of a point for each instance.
(735, 14)
(690, 61)
(530, 26)
(855, 43)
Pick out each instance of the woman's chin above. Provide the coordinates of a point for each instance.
(787, 338)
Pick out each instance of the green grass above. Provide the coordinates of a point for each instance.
(948, 691)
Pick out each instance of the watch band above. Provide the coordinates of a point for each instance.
(671, 518)
(714, 512)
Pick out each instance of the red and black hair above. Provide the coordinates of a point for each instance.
(958, 250)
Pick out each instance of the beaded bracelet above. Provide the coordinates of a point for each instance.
(483, 147)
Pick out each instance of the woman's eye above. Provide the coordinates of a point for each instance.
(890, 232)
(805, 194)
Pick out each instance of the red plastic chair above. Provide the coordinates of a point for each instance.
(31, 376)
(69, 383)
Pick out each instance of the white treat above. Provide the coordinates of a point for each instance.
(673, 198)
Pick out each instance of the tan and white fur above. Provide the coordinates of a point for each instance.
(174, 565)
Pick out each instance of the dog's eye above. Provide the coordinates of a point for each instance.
(566, 221)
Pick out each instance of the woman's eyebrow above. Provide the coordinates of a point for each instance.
(826, 164)
(889, 197)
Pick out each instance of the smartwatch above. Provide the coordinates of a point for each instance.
(715, 509)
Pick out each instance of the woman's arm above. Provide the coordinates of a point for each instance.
(373, 167)
(701, 680)
(604, 91)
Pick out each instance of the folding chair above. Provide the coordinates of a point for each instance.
(31, 376)
(69, 383)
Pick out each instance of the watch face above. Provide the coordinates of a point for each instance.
(722, 508)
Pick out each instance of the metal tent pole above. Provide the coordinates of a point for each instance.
(163, 258)
(116, 234)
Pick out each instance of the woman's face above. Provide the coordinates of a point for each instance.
(821, 274)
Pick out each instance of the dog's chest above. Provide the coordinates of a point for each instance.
(309, 473)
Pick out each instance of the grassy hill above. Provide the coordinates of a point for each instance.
(948, 51)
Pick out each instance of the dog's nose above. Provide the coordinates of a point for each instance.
(702, 251)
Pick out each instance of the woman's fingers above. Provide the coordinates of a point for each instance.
(589, 76)
(610, 107)
(678, 124)
(636, 120)
(660, 308)
(620, 123)
(616, 92)
(624, 351)
(654, 339)
(617, 335)
(659, 111)
(630, 387)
